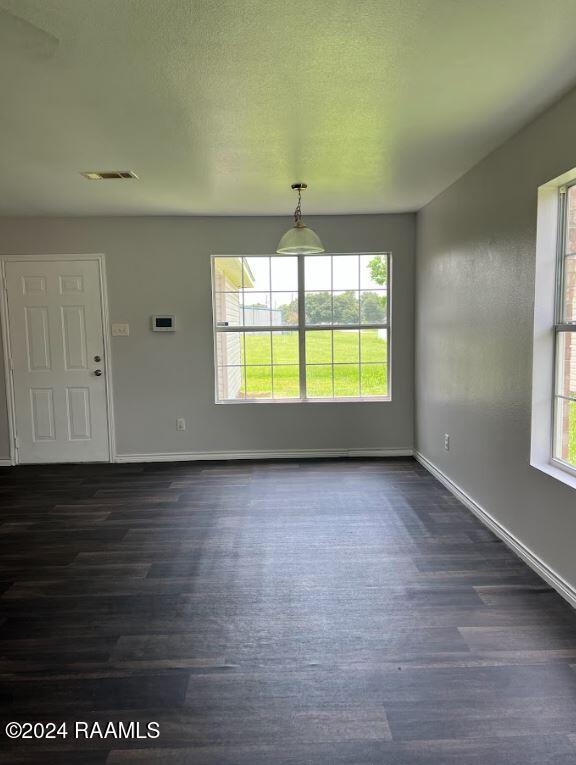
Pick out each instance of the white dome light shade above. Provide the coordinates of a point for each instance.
(299, 240)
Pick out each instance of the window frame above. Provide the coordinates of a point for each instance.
(560, 326)
(302, 328)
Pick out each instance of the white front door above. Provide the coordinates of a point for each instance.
(57, 358)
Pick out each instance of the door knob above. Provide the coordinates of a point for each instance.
(97, 372)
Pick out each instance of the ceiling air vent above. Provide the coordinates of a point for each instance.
(108, 175)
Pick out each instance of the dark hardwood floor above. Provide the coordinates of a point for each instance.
(281, 613)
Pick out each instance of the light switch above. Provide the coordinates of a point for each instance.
(120, 330)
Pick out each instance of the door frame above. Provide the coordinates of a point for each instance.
(100, 259)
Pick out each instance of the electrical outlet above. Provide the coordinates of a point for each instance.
(180, 424)
(447, 441)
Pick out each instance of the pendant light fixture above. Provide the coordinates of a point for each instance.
(299, 240)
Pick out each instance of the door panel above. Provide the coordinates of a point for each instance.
(74, 335)
(56, 331)
(71, 284)
(78, 413)
(38, 341)
(42, 410)
(33, 285)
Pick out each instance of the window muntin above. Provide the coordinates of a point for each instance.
(564, 431)
(307, 327)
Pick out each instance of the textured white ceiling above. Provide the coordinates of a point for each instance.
(219, 105)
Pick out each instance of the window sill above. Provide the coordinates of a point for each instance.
(375, 400)
(557, 470)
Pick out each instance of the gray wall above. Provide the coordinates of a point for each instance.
(160, 265)
(474, 314)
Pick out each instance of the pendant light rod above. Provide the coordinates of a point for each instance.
(299, 187)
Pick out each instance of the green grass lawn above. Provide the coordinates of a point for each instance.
(344, 347)
(572, 436)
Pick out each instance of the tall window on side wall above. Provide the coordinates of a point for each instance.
(302, 327)
(564, 432)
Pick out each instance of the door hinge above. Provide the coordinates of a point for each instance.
(16, 442)
(562, 189)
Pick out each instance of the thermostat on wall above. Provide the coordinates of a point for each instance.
(164, 323)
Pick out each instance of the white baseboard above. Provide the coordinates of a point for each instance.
(263, 454)
(562, 587)
(6, 462)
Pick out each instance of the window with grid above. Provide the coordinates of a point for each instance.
(302, 327)
(564, 446)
